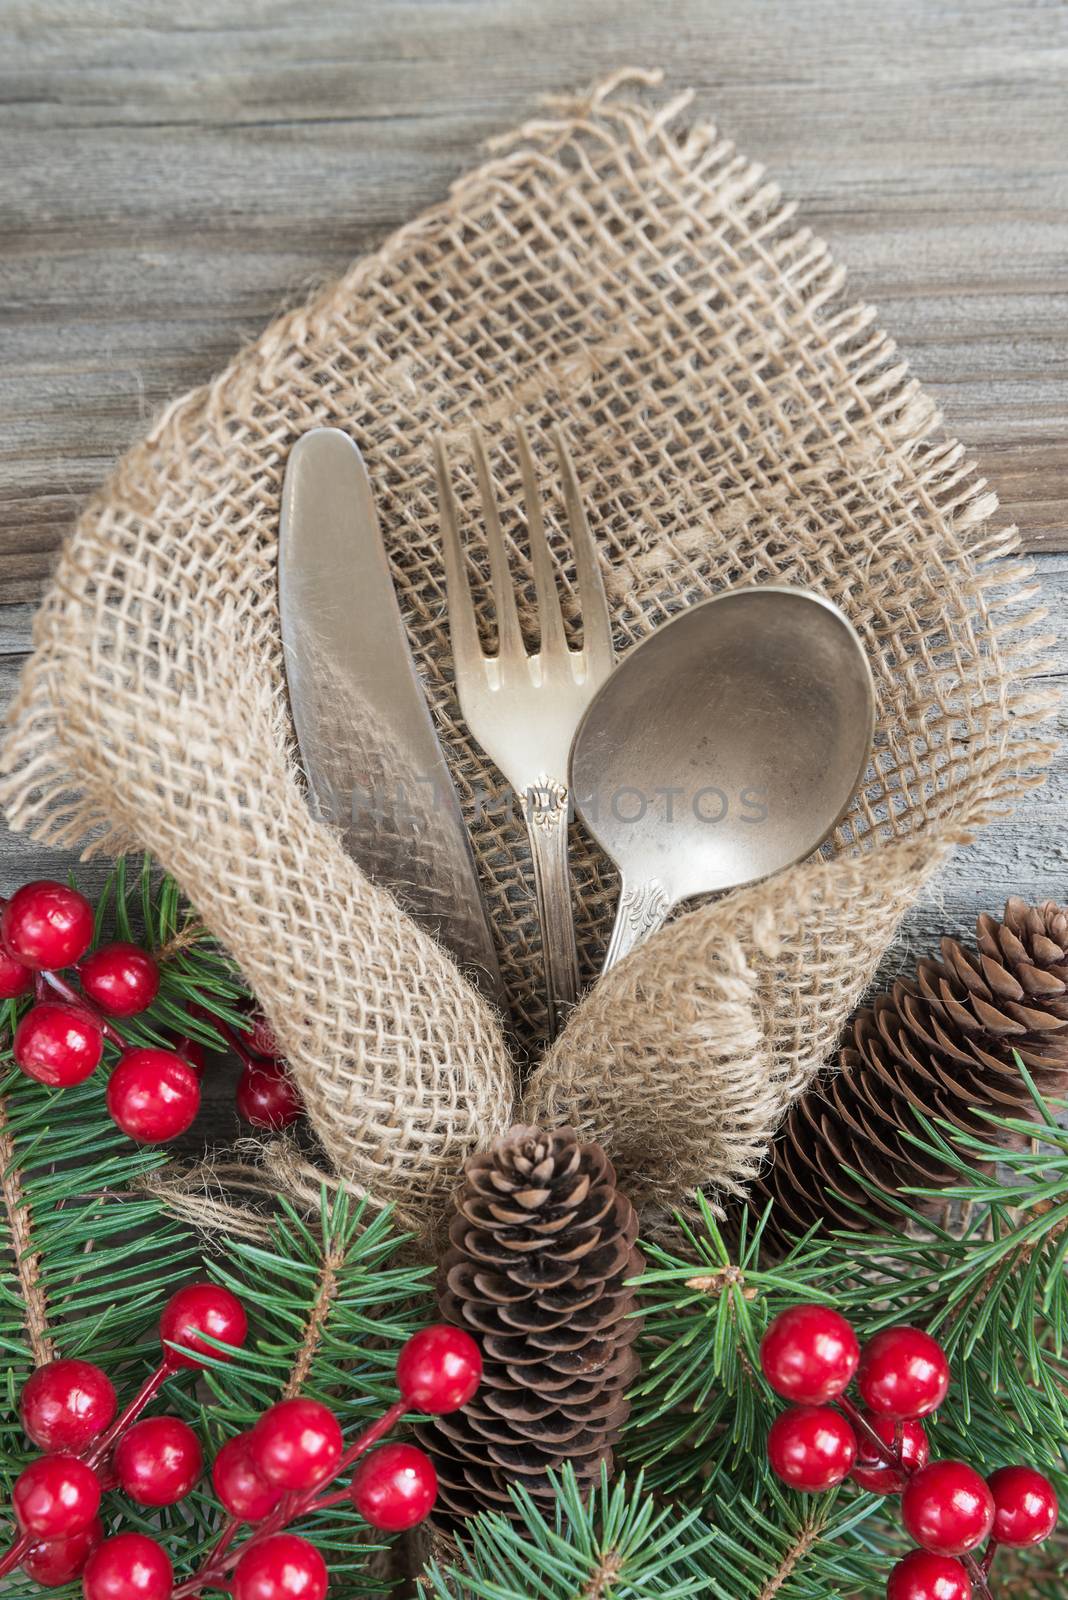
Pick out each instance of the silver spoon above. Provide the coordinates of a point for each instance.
(723, 748)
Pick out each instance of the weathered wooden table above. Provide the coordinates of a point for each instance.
(175, 172)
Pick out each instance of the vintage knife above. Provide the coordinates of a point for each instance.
(374, 766)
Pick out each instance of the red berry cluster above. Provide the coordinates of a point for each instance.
(68, 1410)
(810, 1356)
(153, 1095)
(269, 1476)
(266, 1095)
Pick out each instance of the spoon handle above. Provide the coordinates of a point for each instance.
(643, 907)
(547, 815)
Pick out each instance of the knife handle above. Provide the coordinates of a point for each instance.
(547, 816)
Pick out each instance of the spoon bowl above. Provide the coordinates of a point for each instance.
(722, 749)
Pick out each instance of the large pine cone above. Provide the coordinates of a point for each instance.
(541, 1246)
(942, 1043)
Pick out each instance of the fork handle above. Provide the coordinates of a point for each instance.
(547, 808)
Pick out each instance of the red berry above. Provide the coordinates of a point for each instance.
(811, 1448)
(267, 1096)
(131, 1566)
(439, 1369)
(158, 1460)
(923, 1576)
(281, 1567)
(58, 1044)
(15, 979)
(57, 1561)
(153, 1095)
(876, 1475)
(394, 1488)
(903, 1373)
(47, 925)
(198, 1309)
(1025, 1505)
(56, 1495)
(809, 1354)
(238, 1484)
(296, 1444)
(259, 1037)
(122, 979)
(947, 1508)
(193, 1053)
(65, 1405)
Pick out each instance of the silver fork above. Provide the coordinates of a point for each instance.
(524, 709)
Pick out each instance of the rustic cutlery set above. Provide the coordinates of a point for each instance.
(722, 749)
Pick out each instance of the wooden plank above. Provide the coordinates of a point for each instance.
(176, 172)
(1024, 854)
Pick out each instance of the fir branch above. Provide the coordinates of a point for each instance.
(331, 1304)
(1033, 1574)
(1052, 1229)
(809, 1533)
(700, 1407)
(88, 1247)
(76, 1232)
(193, 933)
(329, 1307)
(603, 1579)
(613, 1545)
(101, 1255)
(993, 1289)
(25, 1255)
(718, 1282)
(329, 1267)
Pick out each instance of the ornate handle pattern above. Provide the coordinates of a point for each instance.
(546, 806)
(643, 907)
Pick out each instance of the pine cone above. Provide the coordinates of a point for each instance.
(942, 1043)
(541, 1246)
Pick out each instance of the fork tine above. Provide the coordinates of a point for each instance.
(509, 637)
(463, 629)
(550, 619)
(596, 622)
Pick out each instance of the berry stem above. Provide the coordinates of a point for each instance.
(889, 1454)
(141, 1399)
(894, 1457)
(980, 1588)
(14, 1554)
(233, 1039)
(222, 1558)
(363, 1443)
(213, 1573)
(53, 980)
(372, 1434)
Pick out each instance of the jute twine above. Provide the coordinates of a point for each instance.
(732, 423)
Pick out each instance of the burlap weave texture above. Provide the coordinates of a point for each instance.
(732, 423)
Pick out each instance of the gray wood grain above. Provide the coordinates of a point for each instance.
(175, 172)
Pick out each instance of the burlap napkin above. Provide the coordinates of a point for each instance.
(732, 424)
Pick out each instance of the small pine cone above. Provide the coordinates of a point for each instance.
(541, 1247)
(943, 1043)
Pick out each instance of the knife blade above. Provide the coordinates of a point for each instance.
(371, 756)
